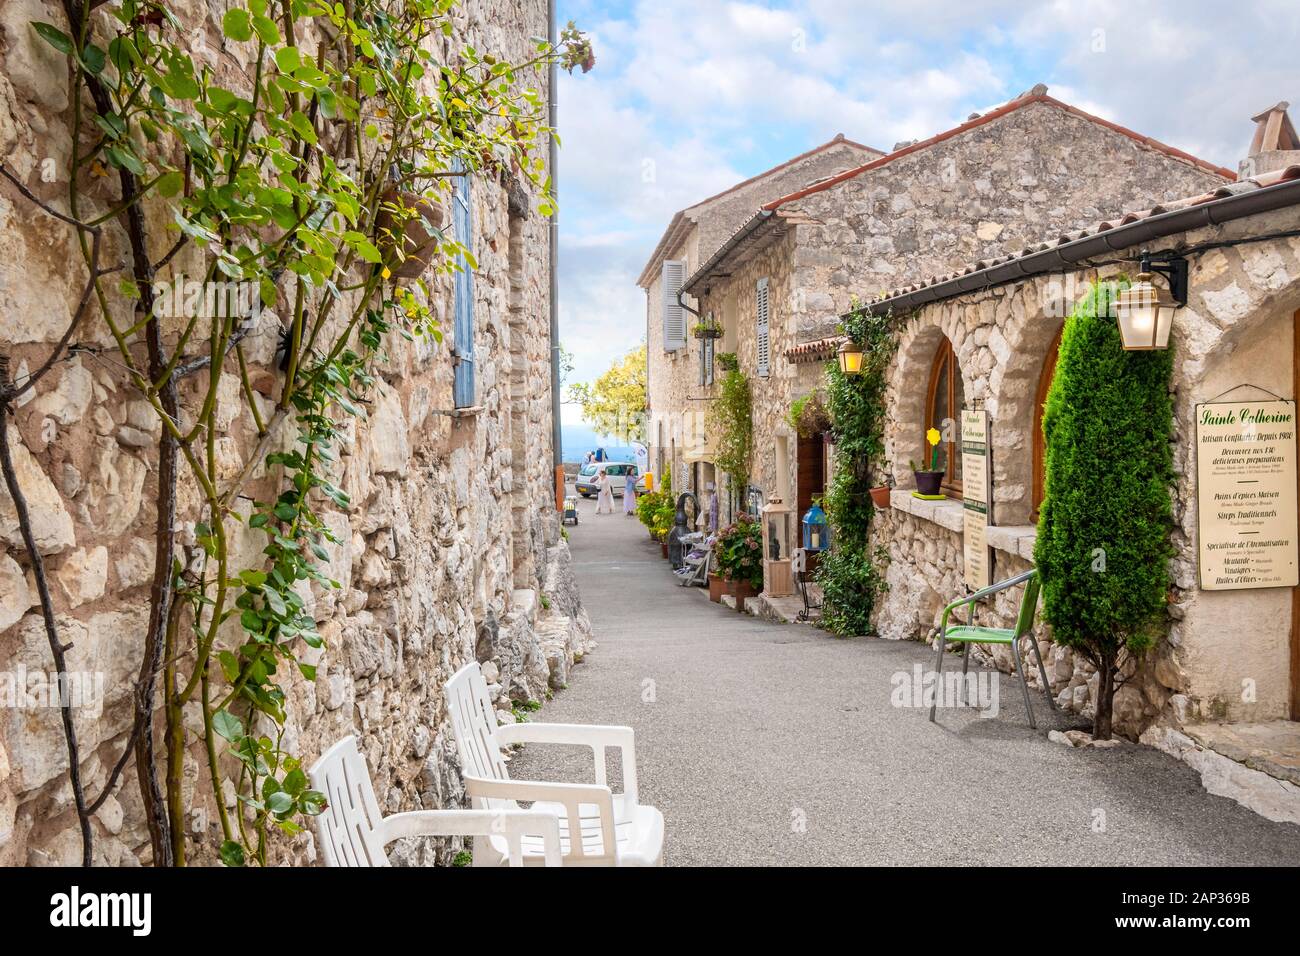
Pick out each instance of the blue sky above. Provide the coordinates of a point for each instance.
(688, 98)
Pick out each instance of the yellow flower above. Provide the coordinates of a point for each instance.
(386, 274)
(932, 436)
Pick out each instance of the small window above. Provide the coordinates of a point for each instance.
(943, 411)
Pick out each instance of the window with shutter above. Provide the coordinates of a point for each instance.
(706, 355)
(674, 274)
(463, 327)
(762, 337)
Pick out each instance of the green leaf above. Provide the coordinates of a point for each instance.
(280, 802)
(94, 59)
(307, 670)
(54, 37)
(312, 802)
(232, 853)
(236, 25)
(266, 29)
(295, 782)
(229, 665)
(252, 578)
(227, 725)
(302, 126)
(170, 184)
(287, 59)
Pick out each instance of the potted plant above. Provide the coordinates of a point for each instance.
(739, 551)
(707, 328)
(809, 415)
(718, 586)
(412, 222)
(880, 494)
(929, 482)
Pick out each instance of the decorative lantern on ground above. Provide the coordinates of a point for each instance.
(778, 535)
(816, 530)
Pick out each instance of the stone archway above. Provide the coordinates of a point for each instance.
(1012, 405)
(909, 386)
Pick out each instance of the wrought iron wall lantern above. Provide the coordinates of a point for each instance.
(850, 356)
(1146, 313)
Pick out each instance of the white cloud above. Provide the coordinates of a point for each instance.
(688, 98)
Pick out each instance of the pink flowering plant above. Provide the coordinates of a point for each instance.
(739, 551)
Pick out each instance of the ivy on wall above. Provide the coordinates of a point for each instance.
(731, 420)
(304, 180)
(1103, 545)
(850, 575)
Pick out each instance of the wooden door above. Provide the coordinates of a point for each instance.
(810, 477)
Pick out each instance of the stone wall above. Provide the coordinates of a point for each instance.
(451, 538)
(674, 376)
(986, 191)
(994, 189)
(1237, 328)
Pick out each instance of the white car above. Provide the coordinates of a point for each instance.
(619, 474)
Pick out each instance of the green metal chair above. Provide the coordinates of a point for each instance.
(969, 634)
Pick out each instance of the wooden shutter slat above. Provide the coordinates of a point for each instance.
(674, 316)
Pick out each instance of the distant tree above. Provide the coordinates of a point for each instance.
(614, 405)
(1103, 544)
(566, 364)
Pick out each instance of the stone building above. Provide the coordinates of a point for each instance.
(996, 182)
(680, 366)
(1222, 689)
(450, 552)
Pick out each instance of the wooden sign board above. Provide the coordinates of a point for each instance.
(975, 484)
(1246, 495)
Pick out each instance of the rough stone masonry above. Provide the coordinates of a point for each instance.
(444, 556)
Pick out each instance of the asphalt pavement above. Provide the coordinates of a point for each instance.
(766, 743)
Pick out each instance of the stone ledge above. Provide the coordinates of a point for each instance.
(1274, 799)
(946, 513)
(1016, 540)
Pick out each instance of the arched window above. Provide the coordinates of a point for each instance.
(1040, 446)
(943, 411)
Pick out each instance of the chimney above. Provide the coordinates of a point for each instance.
(1275, 145)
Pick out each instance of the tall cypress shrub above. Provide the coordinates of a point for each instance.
(1103, 545)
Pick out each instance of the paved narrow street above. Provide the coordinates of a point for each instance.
(768, 743)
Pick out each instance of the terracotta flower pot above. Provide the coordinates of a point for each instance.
(742, 590)
(880, 496)
(419, 241)
(718, 586)
(928, 482)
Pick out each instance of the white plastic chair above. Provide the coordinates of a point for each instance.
(613, 828)
(352, 832)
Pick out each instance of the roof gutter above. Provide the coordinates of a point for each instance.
(1077, 252)
(739, 236)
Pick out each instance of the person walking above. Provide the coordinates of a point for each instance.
(604, 500)
(629, 493)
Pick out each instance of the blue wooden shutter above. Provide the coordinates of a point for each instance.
(763, 331)
(463, 330)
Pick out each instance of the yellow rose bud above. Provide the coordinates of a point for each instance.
(386, 274)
